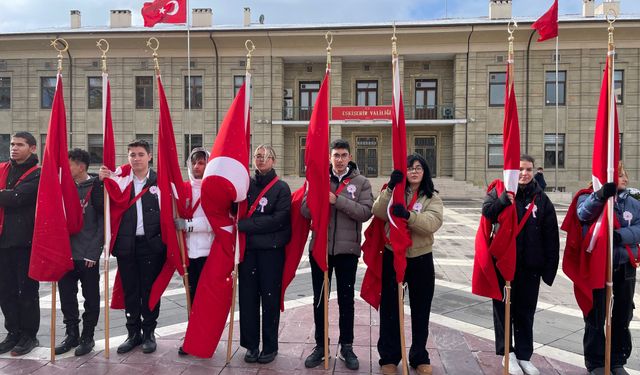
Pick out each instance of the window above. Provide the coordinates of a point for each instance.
(5, 144)
(95, 148)
(144, 92)
(43, 143)
(47, 91)
(426, 99)
(618, 86)
(238, 81)
(5, 92)
(550, 87)
(494, 151)
(148, 138)
(196, 92)
(196, 141)
(426, 146)
(366, 93)
(308, 96)
(94, 99)
(550, 150)
(497, 82)
(302, 168)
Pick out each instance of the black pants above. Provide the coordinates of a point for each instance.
(624, 282)
(90, 279)
(19, 297)
(138, 273)
(524, 299)
(260, 280)
(195, 269)
(345, 266)
(420, 278)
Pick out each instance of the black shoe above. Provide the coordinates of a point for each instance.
(315, 358)
(149, 343)
(182, 352)
(251, 356)
(24, 346)
(597, 371)
(267, 358)
(9, 342)
(67, 344)
(348, 356)
(85, 347)
(619, 371)
(131, 342)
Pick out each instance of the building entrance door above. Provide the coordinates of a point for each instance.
(367, 155)
(426, 146)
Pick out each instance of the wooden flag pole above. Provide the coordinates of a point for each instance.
(183, 258)
(403, 345)
(611, 17)
(52, 333)
(329, 38)
(232, 311)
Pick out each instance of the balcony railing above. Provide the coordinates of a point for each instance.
(433, 112)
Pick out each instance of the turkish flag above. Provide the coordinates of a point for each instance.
(164, 11)
(225, 182)
(315, 159)
(585, 258)
(547, 24)
(58, 209)
(372, 251)
(171, 188)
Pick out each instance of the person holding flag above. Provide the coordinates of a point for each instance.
(19, 300)
(537, 257)
(267, 227)
(350, 200)
(138, 244)
(423, 213)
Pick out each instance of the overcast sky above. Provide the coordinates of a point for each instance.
(27, 15)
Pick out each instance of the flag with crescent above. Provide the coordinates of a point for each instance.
(164, 11)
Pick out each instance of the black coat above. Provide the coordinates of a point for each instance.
(19, 204)
(538, 244)
(125, 243)
(270, 229)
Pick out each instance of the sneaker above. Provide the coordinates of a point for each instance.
(424, 369)
(315, 358)
(619, 371)
(348, 356)
(528, 368)
(514, 367)
(9, 342)
(389, 369)
(24, 346)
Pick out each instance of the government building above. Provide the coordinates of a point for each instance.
(452, 72)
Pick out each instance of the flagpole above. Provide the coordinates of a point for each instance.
(611, 17)
(329, 38)
(403, 345)
(106, 208)
(507, 287)
(189, 77)
(557, 114)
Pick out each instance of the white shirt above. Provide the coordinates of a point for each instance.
(346, 172)
(137, 188)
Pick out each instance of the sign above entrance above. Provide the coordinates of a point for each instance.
(380, 112)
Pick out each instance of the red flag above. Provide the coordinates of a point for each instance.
(547, 24)
(108, 142)
(58, 209)
(399, 235)
(584, 263)
(226, 180)
(164, 11)
(171, 188)
(315, 159)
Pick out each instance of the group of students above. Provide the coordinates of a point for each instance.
(141, 254)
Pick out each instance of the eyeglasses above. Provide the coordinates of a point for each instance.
(340, 156)
(415, 169)
(262, 157)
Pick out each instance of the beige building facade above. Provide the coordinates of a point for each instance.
(453, 86)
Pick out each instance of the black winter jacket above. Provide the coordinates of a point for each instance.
(270, 226)
(87, 244)
(538, 244)
(19, 204)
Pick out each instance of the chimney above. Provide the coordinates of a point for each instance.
(201, 17)
(608, 6)
(120, 18)
(75, 19)
(588, 8)
(247, 17)
(499, 9)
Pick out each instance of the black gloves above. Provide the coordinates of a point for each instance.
(617, 238)
(396, 176)
(608, 190)
(504, 199)
(399, 211)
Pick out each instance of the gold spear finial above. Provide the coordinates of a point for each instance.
(250, 47)
(155, 48)
(328, 36)
(511, 28)
(394, 40)
(104, 51)
(611, 18)
(64, 47)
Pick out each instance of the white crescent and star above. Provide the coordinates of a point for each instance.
(176, 7)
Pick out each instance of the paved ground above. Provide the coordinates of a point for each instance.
(461, 331)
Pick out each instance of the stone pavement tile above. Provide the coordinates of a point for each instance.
(478, 344)
(21, 366)
(198, 369)
(457, 361)
(489, 362)
(362, 334)
(296, 332)
(565, 368)
(448, 339)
